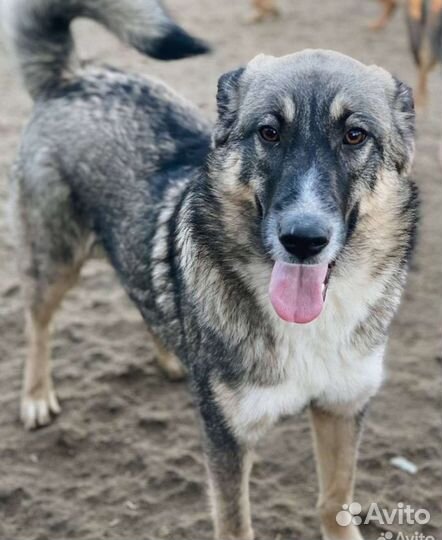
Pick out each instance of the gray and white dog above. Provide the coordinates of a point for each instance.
(296, 208)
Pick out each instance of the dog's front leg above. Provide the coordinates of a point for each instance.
(336, 440)
(229, 494)
(228, 466)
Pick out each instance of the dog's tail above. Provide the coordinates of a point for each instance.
(39, 32)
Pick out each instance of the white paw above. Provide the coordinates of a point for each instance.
(38, 412)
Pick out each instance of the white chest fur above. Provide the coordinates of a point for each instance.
(318, 360)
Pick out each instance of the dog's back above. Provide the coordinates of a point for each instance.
(98, 162)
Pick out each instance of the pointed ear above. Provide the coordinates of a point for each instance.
(227, 103)
(404, 119)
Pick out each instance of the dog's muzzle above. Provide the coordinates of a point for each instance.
(304, 237)
(298, 288)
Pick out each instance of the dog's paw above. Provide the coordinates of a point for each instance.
(37, 412)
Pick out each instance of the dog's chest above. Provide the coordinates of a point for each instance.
(317, 362)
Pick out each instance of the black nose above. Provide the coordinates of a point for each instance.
(303, 238)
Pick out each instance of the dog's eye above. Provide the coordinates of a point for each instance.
(269, 134)
(355, 136)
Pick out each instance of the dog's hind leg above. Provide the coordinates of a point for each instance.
(427, 62)
(336, 440)
(51, 247)
(41, 301)
(422, 28)
(389, 7)
(422, 86)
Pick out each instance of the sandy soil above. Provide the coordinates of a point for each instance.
(124, 459)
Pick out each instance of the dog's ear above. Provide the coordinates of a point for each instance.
(404, 119)
(227, 99)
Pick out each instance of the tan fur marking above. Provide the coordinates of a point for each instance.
(375, 211)
(336, 443)
(337, 107)
(264, 9)
(415, 9)
(167, 361)
(38, 399)
(235, 197)
(436, 6)
(382, 21)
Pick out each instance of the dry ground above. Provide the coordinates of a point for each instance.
(124, 459)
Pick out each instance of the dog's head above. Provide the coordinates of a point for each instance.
(306, 135)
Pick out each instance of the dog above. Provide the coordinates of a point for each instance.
(388, 9)
(267, 253)
(424, 22)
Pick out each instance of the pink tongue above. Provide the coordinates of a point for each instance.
(296, 291)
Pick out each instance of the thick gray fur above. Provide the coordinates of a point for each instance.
(189, 218)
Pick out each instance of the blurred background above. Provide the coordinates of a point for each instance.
(124, 459)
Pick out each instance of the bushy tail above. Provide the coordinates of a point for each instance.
(39, 31)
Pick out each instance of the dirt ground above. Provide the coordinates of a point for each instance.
(124, 458)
